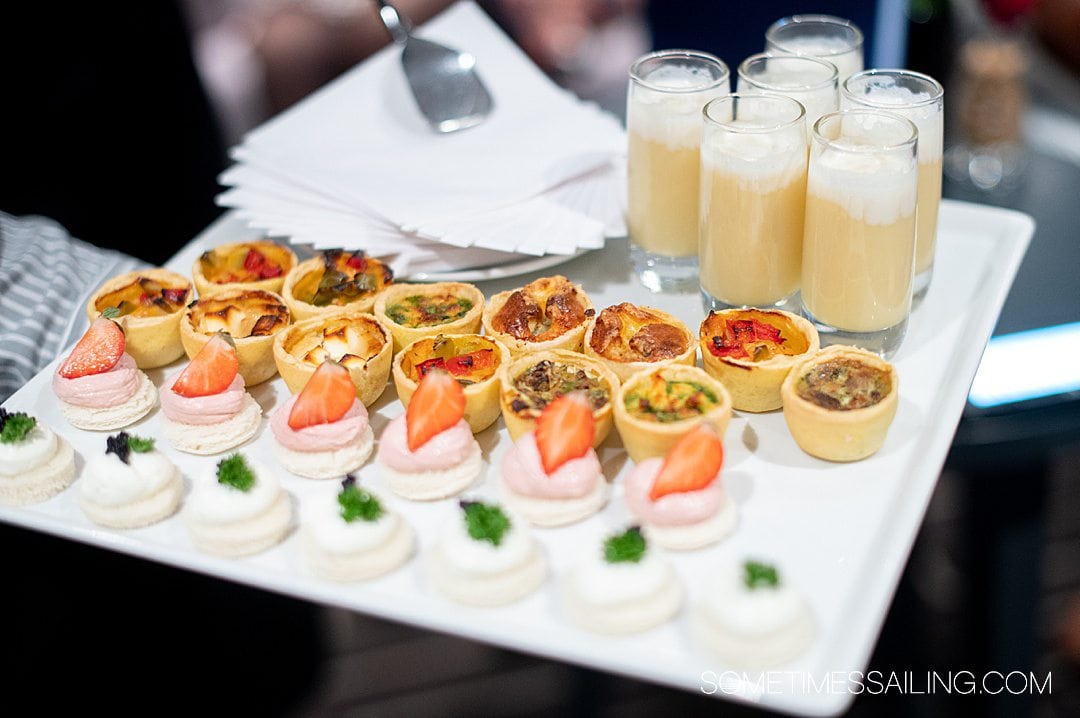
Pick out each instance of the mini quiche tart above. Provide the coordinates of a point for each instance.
(548, 313)
(415, 311)
(656, 407)
(629, 338)
(533, 380)
(355, 339)
(250, 316)
(472, 359)
(243, 265)
(334, 279)
(752, 350)
(839, 403)
(151, 304)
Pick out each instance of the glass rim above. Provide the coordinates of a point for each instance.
(912, 138)
(768, 97)
(936, 96)
(832, 79)
(706, 57)
(820, 19)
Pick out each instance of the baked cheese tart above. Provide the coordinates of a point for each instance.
(533, 380)
(355, 339)
(472, 359)
(333, 279)
(415, 311)
(252, 317)
(260, 264)
(548, 313)
(656, 407)
(629, 338)
(752, 350)
(839, 403)
(150, 304)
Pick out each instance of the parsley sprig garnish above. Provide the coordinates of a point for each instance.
(357, 504)
(485, 522)
(626, 547)
(760, 575)
(234, 471)
(15, 427)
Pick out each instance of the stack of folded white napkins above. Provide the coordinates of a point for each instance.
(356, 166)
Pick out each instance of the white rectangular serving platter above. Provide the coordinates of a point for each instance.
(839, 533)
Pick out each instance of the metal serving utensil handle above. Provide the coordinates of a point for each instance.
(396, 24)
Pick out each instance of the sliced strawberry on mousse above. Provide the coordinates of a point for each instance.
(327, 396)
(691, 464)
(211, 371)
(564, 430)
(437, 404)
(97, 352)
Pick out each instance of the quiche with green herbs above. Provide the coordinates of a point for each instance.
(416, 311)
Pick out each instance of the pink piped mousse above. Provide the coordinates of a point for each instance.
(319, 437)
(100, 391)
(203, 410)
(443, 451)
(524, 473)
(678, 509)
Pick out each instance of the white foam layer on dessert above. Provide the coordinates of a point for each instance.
(333, 534)
(751, 612)
(482, 557)
(672, 118)
(108, 481)
(36, 448)
(762, 162)
(928, 118)
(601, 583)
(877, 189)
(215, 503)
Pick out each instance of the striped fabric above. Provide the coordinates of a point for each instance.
(46, 277)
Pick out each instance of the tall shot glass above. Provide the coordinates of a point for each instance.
(667, 91)
(831, 38)
(859, 239)
(753, 193)
(810, 80)
(919, 98)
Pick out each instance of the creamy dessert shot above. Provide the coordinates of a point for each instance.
(666, 93)
(679, 499)
(485, 556)
(750, 617)
(35, 462)
(753, 196)
(130, 485)
(323, 432)
(919, 98)
(859, 238)
(99, 386)
(237, 508)
(429, 452)
(348, 534)
(552, 476)
(826, 37)
(811, 81)
(626, 586)
(206, 408)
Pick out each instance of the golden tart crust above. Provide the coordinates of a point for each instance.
(251, 316)
(645, 438)
(547, 313)
(152, 341)
(231, 258)
(358, 340)
(303, 280)
(522, 419)
(439, 308)
(751, 351)
(823, 429)
(481, 395)
(629, 338)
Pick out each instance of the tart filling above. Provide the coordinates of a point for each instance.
(630, 338)
(245, 263)
(149, 305)
(470, 358)
(144, 296)
(550, 312)
(244, 313)
(415, 311)
(341, 278)
(431, 310)
(665, 401)
(844, 384)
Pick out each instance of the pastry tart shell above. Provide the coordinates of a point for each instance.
(151, 341)
(625, 370)
(570, 340)
(302, 310)
(469, 323)
(273, 284)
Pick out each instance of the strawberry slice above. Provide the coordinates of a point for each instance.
(691, 464)
(564, 430)
(328, 396)
(211, 371)
(98, 351)
(437, 404)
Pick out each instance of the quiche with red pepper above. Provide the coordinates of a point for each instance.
(474, 360)
(151, 304)
(416, 311)
(752, 350)
(259, 264)
(548, 313)
(628, 338)
(335, 278)
(840, 402)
